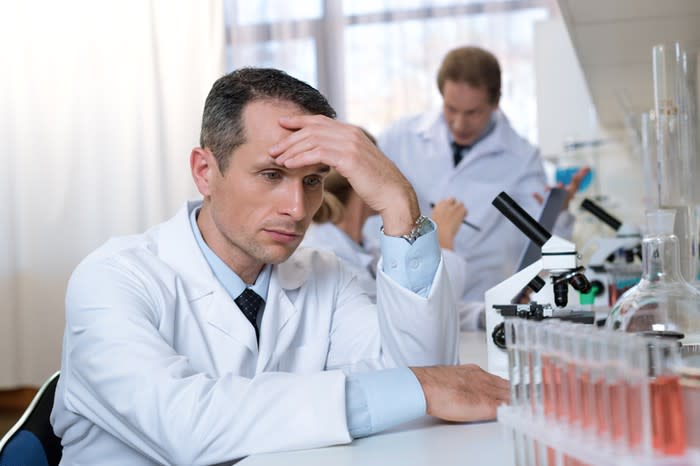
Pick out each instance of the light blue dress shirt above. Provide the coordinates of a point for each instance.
(374, 400)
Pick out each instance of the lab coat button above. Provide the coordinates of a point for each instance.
(393, 264)
(414, 264)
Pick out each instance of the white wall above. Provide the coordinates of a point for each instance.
(565, 113)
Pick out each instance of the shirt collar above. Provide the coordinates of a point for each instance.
(232, 283)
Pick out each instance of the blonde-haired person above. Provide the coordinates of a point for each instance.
(337, 227)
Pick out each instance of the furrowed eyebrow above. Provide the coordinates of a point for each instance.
(322, 170)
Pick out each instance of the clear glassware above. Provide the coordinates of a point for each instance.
(662, 303)
(678, 138)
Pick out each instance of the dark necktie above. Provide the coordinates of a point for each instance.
(457, 152)
(250, 303)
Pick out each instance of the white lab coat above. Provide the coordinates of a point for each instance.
(160, 367)
(329, 237)
(502, 161)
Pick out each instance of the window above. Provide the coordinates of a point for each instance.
(376, 60)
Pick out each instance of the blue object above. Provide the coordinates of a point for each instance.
(564, 176)
(24, 449)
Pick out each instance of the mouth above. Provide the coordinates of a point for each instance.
(283, 236)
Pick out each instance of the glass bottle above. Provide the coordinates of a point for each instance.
(662, 303)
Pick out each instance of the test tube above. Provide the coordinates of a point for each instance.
(513, 360)
(690, 391)
(512, 333)
(614, 385)
(600, 404)
(535, 334)
(524, 357)
(551, 381)
(636, 379)
(667, 416)
(572, 334)
(586, 412)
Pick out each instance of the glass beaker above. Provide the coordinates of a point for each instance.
(662, 303)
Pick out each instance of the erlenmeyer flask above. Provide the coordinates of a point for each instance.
(662, 303)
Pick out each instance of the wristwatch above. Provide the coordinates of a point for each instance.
(422, 226)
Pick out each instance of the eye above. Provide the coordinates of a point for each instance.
(313, 181)
(272, 175)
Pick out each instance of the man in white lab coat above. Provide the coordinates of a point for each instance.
(469, 151)
(209, 338)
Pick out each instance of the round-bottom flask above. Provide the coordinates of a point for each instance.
(662, 303)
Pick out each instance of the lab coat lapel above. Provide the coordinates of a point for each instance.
(281, 317)
(178, 247)
(224, 314)
(489, 146)
(433, 129)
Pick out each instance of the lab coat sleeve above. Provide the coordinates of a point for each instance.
(125, 378)
(415, 330)
(403, 329)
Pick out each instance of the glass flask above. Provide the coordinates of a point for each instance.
(662, 303)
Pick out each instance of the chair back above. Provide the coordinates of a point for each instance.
(31, 441)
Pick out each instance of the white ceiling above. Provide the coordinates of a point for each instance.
(613, 40)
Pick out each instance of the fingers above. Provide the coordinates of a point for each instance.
(311, 133)
(462, 393)
(316, 139)
(577, 179)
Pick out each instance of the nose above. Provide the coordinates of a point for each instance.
(293, 202)
(459, 123)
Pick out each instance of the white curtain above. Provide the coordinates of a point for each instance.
(100, 106)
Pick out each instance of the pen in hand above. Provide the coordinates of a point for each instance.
(469, 224)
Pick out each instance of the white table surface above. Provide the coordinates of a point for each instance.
(425, 441)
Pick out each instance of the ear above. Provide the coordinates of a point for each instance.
(203, 167)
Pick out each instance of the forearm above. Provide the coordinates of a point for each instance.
(400, 214)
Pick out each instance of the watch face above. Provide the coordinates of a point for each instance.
(423, 226)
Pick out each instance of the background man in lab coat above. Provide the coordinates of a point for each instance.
(467, 150)
(209, 338)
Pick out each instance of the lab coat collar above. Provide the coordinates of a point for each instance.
(432, 126)
(177, 246)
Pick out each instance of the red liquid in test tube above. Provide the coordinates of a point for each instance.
(601, 408)
(549, 398)
(616, 410)
(574, 396)
(549, 388)
(667, 421)
(585, 412)
(634, 415)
